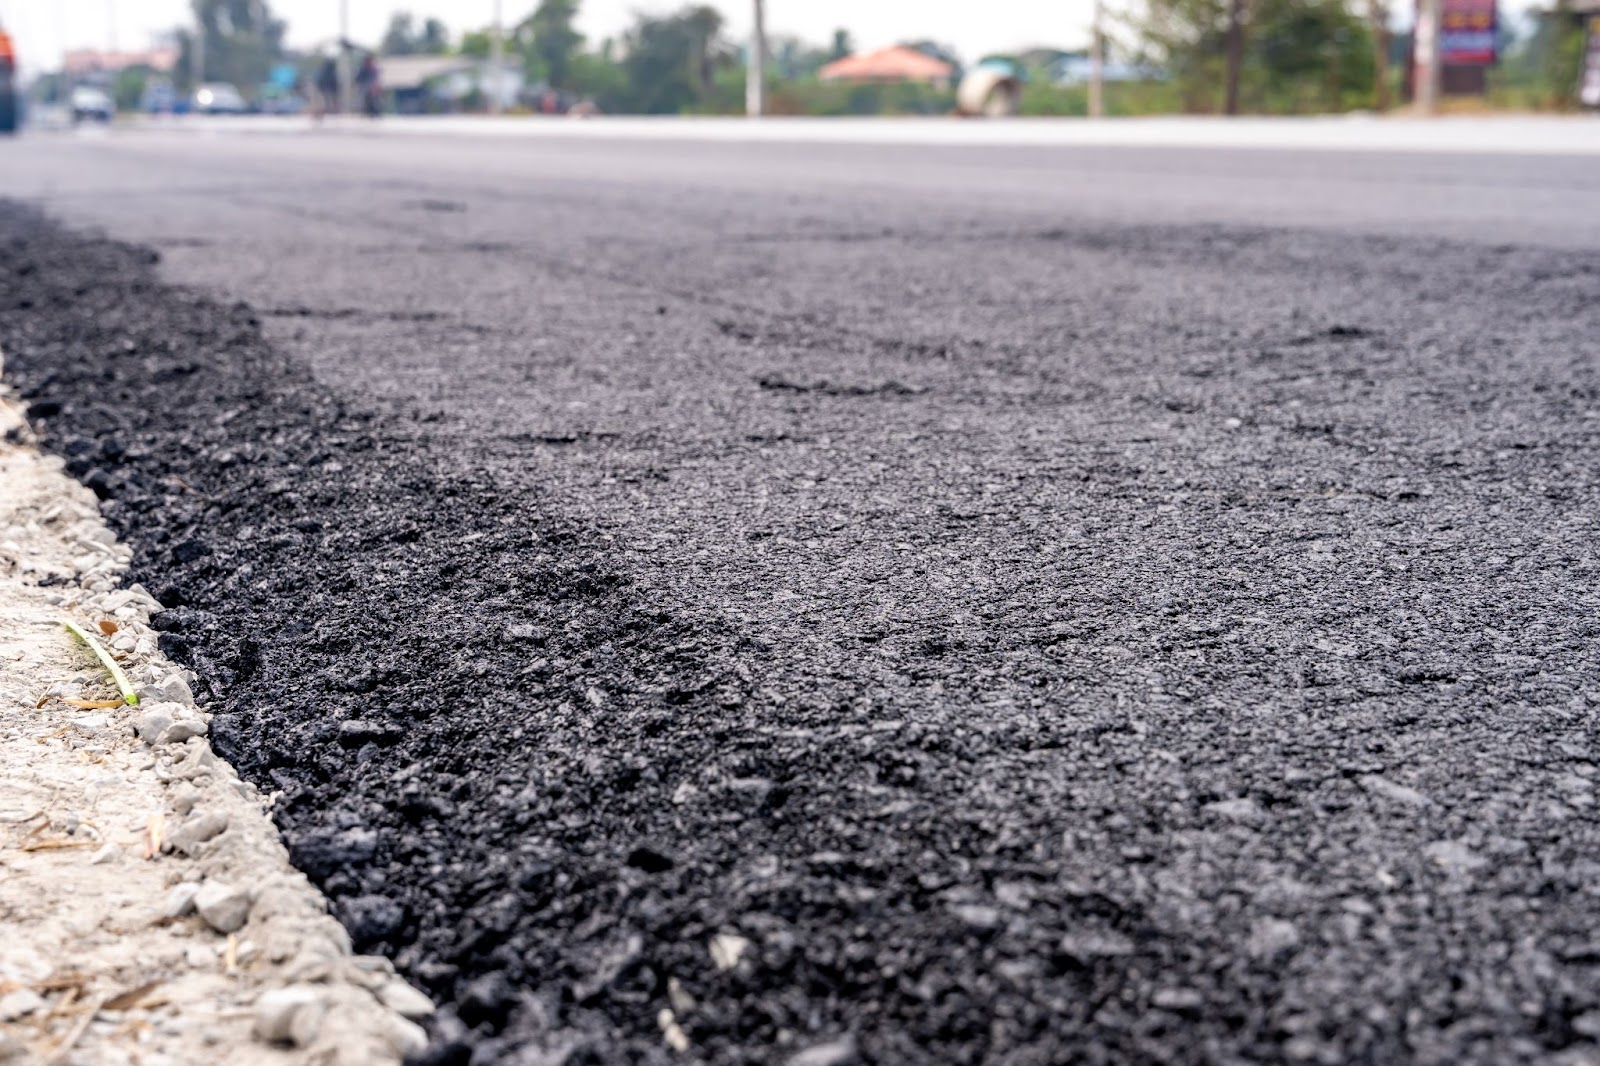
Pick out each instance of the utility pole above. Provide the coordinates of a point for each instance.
(1427, 56)
(347, 84)
(755, 85)
(1230, 105)
(111, 24)
(497, 59)
(1379, 12)
(1097, 63)
(197, 55)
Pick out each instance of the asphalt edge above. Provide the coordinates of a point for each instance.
(307, 990)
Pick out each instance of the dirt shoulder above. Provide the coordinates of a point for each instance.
(151, 910)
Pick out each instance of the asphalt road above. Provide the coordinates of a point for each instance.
(887, 604)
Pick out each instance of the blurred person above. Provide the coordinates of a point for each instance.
(327, 94)
(370, 86)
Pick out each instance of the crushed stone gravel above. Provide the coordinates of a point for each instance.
(150, 910)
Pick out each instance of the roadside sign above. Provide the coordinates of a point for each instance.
(1467, 33)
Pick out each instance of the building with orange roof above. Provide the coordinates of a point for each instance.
(896, 63)
(91, 61)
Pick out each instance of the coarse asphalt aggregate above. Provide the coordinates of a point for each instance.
(897, 606)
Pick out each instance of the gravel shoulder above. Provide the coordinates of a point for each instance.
(152, 914)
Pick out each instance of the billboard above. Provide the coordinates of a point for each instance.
(1467, 33)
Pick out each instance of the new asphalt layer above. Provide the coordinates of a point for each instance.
(830, 604)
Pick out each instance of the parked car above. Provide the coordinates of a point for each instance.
(218, 98)
(90, 104)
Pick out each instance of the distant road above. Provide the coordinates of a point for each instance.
(1484, 190)
(899, 603)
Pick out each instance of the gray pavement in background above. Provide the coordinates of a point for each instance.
(153, 183)
(1163, 578)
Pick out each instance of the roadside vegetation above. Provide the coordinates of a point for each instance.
(1170, 56)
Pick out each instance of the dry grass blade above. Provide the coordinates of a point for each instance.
(132, 998)
(65, 1047)
(230, 958)
(58, 845)
(154, 831)
(62, 982)
(123, 685)
(94, 705)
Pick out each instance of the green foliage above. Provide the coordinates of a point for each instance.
(549, 42)
(51, 88)
(794, 58)
(1540, 72)
(403, 38)
(597, 78)
(810, 96)
(127, 87)
(1300, 55)
(477, 43)
(1122, 98)
(242, 42)
(671, 61)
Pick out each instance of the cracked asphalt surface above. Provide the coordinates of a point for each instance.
(900, 606)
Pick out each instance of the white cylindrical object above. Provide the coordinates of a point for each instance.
(497, 60)
(198, 54)
(1426, 58)
(1097, 64)
(755, 86)
(346, 75)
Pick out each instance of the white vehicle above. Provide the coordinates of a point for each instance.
(90, 104)
(218, 98)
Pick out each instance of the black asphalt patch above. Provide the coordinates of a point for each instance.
(1150, 680)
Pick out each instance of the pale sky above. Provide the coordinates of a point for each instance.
(43, 28)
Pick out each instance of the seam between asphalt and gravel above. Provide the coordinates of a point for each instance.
(157, 918)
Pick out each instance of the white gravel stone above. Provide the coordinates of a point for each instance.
(182, 730)
(1454, 857)
(19, 1004)
(180, 900)
(841, 1052)
(405, 1037)
(154, 720)
(223, 907)
(184, 797)
(291, 1015)
(404, 1000)
(727, 950)
(171, 688)
(1382, 786)
(1270, 937)
(198, 829)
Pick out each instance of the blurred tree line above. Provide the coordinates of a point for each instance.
(1260, 56)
